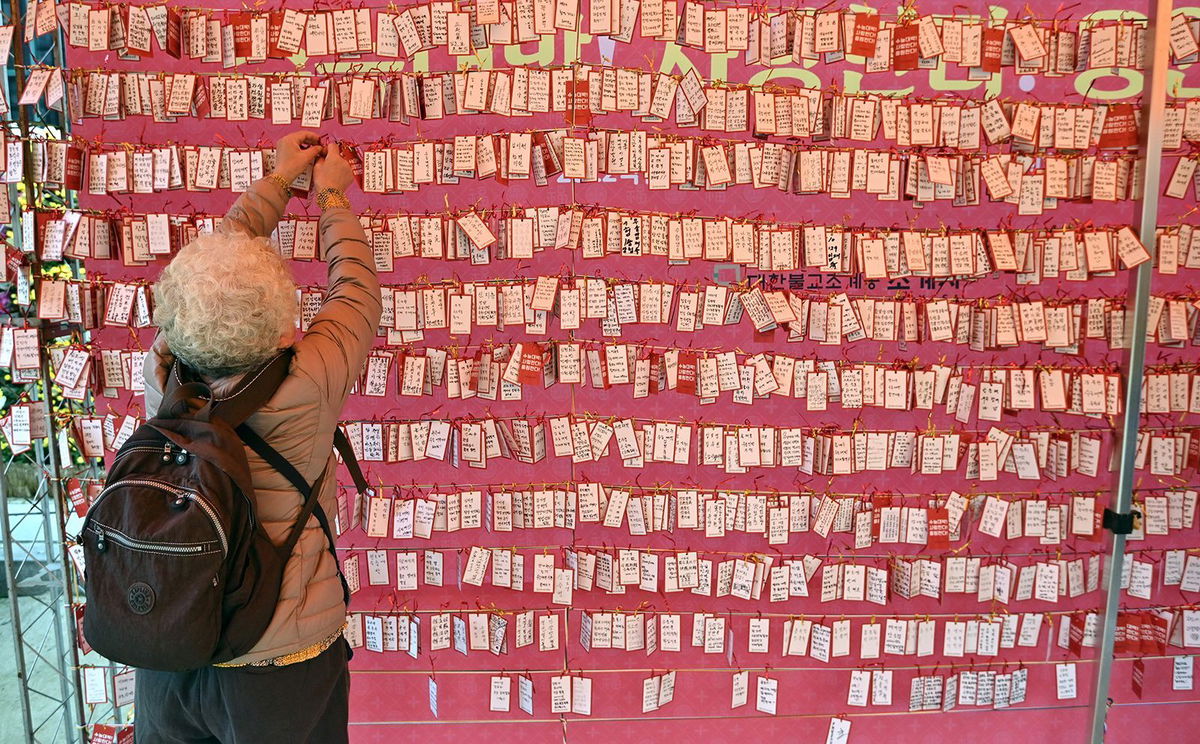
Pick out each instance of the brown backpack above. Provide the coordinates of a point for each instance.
(180, 573)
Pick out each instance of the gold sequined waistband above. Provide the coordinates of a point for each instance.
(295, 657)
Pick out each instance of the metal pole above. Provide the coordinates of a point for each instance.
(9, 555)
(1154, 92)
(76, 726)
(67, 626)
(53, 522)
(10, 578)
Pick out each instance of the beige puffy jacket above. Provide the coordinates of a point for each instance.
(300, 419)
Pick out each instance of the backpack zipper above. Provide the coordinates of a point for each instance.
(165, 450)
(166, 453)
(124, 452)
(178, 492)
(104, 535)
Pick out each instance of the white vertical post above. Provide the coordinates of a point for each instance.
(1154, 101)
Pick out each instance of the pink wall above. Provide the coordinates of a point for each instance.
(390, 689)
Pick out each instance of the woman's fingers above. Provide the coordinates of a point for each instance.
(300, 137)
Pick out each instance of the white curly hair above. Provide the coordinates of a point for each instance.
(224, 302)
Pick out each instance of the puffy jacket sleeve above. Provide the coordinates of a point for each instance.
(333, 350)
(257, 211)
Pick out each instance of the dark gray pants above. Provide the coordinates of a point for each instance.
(304, 703)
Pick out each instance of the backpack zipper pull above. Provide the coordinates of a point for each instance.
(182, 457)
(101, 543)
(166, 455)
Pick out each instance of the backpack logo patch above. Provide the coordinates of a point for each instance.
(140, 598)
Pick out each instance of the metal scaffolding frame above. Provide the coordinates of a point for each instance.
(37, 570)
(46, 654)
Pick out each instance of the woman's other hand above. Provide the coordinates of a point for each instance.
(333, 171)
(295, 153)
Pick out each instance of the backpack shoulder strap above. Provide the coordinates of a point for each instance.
(255, 390)
(183, 391)
(312, 504)
(342, 444)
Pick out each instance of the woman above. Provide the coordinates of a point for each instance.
(224, 305)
